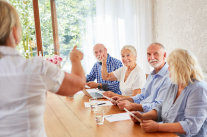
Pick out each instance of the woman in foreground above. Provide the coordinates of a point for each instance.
(24, 83)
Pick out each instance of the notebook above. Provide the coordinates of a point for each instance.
(93, 93)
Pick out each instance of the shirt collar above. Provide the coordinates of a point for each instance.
(5, 50)
(162, 71)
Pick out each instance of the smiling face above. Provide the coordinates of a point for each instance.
(156, 56)
(128, 58)
(99, 51)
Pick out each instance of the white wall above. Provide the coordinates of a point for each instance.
(182, 24)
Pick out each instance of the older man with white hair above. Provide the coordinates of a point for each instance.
(100, 52)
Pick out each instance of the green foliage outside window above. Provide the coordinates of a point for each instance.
(71, 15)
(24, 8)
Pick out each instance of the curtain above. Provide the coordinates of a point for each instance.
(118, 23)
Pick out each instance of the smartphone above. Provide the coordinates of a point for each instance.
(131, 114)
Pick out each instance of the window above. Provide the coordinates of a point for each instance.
(27, 47)
(72, 16)
(86, 22)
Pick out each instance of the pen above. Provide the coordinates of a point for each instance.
(101, 103)
(130, 113)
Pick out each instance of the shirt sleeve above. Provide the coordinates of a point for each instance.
(92, 75)
(158, 108)
(117, 73)
(161, 94)
(138, 98)
(52, 76)
(195, 112)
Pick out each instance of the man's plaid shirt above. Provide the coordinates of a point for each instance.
(112, 65)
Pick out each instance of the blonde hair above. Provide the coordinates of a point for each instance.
(184, 67)
(8, 19)
(131, 49)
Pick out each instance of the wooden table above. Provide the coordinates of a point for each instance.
(68, 117)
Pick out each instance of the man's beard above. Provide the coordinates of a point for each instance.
(98, 59)
(155, 65)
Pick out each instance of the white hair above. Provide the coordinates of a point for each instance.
(131, 49)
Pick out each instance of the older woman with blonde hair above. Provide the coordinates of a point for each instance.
(184, 110)
(132, 78)
(23, 83)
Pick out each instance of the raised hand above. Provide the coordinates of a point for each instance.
(103, 59)
(76, 55)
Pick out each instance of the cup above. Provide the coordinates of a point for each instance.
(93, 104)
(99, 116)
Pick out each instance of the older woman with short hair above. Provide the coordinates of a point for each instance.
(132, 78)
(184, 110)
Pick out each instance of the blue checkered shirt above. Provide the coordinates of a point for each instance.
(112, 65)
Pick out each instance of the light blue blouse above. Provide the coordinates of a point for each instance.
(189, 109)
(155, 89)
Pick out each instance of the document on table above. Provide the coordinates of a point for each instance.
(117, 117)
(100, 103)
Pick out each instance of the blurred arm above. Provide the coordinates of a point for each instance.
(76, 80)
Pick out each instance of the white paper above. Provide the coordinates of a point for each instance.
(117, 117)
(99, 102)
(93, 90)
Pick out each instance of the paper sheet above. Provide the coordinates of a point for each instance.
(93, 90)
(117, 117)
(100, 103)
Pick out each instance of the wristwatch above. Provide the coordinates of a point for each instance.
(99, 86)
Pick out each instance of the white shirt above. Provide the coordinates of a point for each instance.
(23, 86)
(135, 80)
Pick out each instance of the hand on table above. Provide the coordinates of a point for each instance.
(124, 104)
(109, 94)
(92, 84)
(149, 126)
